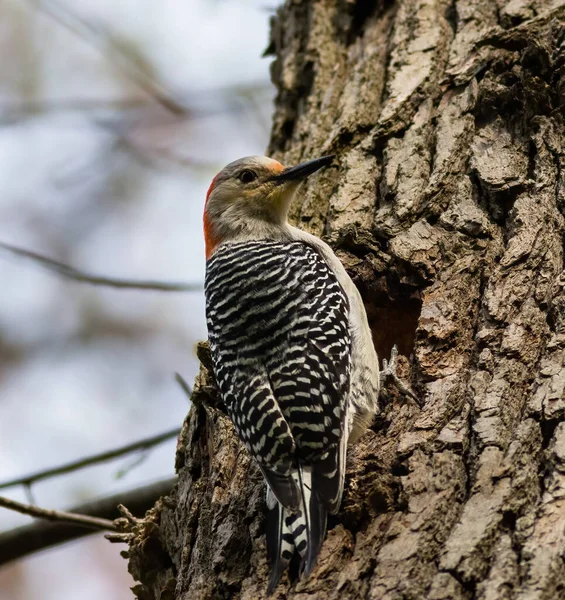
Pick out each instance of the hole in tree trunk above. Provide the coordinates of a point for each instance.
(391, 292)
(394, 322)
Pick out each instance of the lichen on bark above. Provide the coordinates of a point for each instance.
(447, 209)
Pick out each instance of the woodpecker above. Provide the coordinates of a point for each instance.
(292, 351)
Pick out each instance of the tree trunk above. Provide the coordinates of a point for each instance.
(447, 209)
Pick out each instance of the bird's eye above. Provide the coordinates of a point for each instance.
(247, 176)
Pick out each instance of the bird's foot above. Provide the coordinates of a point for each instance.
(388, 373)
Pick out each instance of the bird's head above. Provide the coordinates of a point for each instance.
(251, 196)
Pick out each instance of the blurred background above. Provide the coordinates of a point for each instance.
(114, 117)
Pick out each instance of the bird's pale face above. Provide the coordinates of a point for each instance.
(252, 192)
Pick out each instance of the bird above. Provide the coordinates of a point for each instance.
(292, 351)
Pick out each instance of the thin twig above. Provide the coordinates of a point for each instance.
(389, 374)
(141, 457)
(56, 515)
(69, 272)
(29, 493)
(92, 460)
(184, 386)
(24, 540)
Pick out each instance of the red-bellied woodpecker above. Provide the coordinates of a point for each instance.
(291, 349)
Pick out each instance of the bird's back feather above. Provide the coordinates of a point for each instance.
(278, 322)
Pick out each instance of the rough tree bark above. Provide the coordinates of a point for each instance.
(448, 210)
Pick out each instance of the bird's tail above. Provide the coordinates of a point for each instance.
(302, 530)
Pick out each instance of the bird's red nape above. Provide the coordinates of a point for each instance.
(211, 188)
(210, 240)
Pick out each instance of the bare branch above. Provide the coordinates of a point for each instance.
(102, 40)
(30, 538)
(56, 515)
(69, 272)
(143, 444)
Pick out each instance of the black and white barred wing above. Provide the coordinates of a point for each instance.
(279, 335)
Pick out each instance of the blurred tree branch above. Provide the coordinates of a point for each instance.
(143, 444)
(30, 538)
(69, 272)
(202, 104)
(103, 41)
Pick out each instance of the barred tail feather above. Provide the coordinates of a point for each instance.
(302, 530)
(280, 543)
(312, 521)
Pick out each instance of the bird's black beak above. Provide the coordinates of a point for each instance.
(304, 169)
